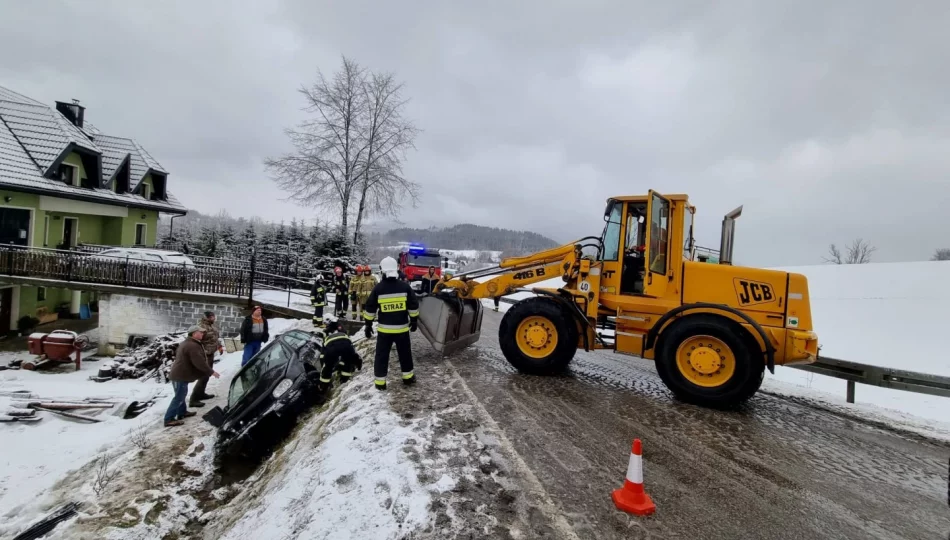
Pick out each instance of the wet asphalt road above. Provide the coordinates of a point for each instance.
(773, 469)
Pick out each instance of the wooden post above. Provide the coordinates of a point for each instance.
(850, 392)
(250, 294)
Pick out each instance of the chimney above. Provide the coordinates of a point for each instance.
(74, 112)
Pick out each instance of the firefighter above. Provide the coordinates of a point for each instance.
(341, 292)
(318, 299)
(356, 287)
(338, 354)
(398, 308)
(366, 285)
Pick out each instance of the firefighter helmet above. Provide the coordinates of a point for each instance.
(389, 267)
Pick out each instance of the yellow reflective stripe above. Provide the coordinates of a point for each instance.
(380, 382)
(334, 338)
(369, 316)
(407, 375)
(324, 380)
(413, 312)
(346, 373)
(402, 330)
(383, 297)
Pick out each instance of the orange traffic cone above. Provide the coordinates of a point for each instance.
(631, 498)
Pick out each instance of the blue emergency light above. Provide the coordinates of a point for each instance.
(416, 249)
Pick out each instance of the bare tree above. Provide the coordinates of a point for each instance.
(942, 254)
(104, 474)
(351, 152)
(388, 136)
(859, 252)
(324, 169)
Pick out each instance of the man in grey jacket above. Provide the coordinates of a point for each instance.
(190, 365)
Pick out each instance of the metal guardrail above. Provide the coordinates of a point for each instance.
(897, 379)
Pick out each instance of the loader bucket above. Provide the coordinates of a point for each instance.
(450, 323)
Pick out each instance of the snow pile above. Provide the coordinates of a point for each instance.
(154, 359)
(344, 475)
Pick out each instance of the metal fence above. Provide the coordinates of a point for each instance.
(79, 266)
(897, 379)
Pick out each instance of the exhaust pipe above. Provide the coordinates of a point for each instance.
(728, 235)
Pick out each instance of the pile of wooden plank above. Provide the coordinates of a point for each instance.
(154, 359)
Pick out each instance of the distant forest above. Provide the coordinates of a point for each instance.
(322, 246)
(466, 236)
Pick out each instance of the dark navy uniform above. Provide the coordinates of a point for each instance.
(341, 289)
(338, 354)
(318, 299)
(398, 308)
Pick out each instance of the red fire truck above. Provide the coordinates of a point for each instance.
(415, 260)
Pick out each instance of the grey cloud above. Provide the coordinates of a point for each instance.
(826, 120)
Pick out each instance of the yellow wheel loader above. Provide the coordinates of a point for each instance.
(711, 328)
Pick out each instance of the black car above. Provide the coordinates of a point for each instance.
(269, 393)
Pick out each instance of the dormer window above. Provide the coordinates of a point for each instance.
(68, 175)
(147, 191)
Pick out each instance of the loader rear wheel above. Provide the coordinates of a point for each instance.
(709, 361)
(538, 337)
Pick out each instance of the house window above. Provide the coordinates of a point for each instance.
(46, 231)
(40, 294)
(147, 191)
(140, 234)
(67, 174)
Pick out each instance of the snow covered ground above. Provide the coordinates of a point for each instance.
(345, 475)
(34, 457)
(884, 314)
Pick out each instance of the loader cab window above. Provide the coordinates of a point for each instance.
(631, 278)
(611, 237)
(659, 234)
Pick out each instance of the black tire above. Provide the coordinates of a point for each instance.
(564, 325)
(750, 366)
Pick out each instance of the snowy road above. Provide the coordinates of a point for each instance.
(775, 469)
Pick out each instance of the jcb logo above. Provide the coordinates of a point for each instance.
(529, 274)
(753, 292)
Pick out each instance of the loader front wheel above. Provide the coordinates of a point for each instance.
(538, 337)
(707, 360)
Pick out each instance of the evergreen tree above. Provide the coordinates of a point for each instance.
(207, 242)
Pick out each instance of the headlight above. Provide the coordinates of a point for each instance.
(282, 388)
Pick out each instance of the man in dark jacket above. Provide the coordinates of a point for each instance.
(398, 308)
(338, 353)
(211, 344)
(429, 281)
(318, 299)
(190, 365)
(254, 334)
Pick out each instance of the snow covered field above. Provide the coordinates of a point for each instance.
(34, 457)
(884, 314)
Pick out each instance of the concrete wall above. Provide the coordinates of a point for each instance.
(122, 315)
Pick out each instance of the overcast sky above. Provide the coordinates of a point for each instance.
(826, 120)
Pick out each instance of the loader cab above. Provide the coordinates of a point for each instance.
(642, 245)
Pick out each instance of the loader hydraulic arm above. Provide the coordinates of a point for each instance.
(517, 272)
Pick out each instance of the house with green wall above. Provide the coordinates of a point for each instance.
(65, 184)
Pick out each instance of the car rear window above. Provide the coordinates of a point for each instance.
(272, 358)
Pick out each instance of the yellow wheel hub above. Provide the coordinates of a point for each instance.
(537, 336)
(705, 361)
